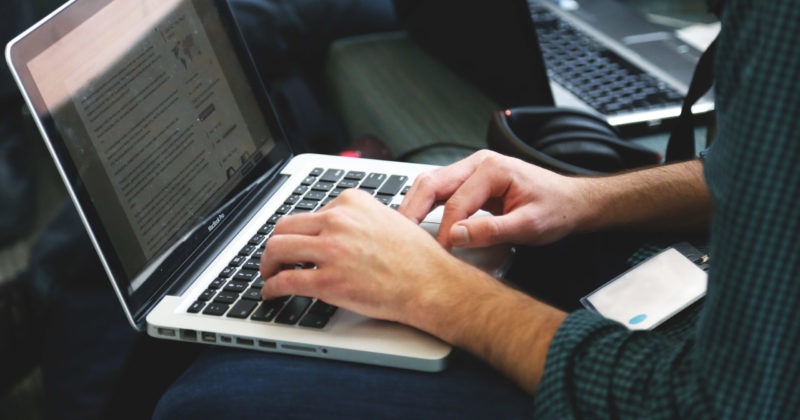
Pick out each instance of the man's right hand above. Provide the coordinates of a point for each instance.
(530, 205)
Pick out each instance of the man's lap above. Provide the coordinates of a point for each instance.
(225, 383)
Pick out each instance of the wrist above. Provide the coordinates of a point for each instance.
(447, 307)
(587, 203)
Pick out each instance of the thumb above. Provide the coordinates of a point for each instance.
(475, 232)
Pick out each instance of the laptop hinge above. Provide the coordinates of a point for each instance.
(238, 213)
(206, 255)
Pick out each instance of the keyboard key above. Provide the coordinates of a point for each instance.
(335, 192)
(274, 219)
(370, 191)
(246, 275)
(314, 321)
(196, 307)
(257, 239)
(284, 209)
(355, 175)
(293, 310)
(385, 199)
(314, 195)
(237, 261)
(292, 200)
(309, 180)
(217, 283)
(259, 252)
(316, 172)
(266, 312)
(322, 186)
(207, 295)
(373, 180)
(332, 175)
(266, 229)
(307, 205)
(252, 264)
(242, 309)
(216, 309)
(347, 184)
(226, 298)
(258, 283)
(247, 250)
(300, 190)
(236, 286)
(321, 308)
(393, 185)
(227, 272)
(252, 293)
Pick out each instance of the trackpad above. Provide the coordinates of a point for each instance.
(494, 259)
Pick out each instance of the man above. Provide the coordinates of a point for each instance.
(737, 360)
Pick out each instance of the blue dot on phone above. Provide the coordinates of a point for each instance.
(638, 319)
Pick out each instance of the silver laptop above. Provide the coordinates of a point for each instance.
(604, 56)
(173, 156)
(596, 55)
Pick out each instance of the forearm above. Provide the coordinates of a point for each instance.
(506, 328)
(661, 198)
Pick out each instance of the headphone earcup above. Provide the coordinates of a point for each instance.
(573, 123)
(566, 140)
(586, 154)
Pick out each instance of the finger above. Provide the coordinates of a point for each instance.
(290, 250)
(489, 230)
(299, 224)
(292, 282)
(486, 183)
(432, 187)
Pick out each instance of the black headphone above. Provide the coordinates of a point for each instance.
(565, 140)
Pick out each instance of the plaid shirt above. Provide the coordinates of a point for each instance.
(734, 356)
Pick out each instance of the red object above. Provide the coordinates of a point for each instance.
(350, 153)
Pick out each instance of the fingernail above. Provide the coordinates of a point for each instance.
(459, 235)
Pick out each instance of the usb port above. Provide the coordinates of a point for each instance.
(245, 341)
(267, 344)
(209, 337)
(167, 332)
(224, 339)
(190, 335)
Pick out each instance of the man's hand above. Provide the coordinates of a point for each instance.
(369, 259)
(531, 205)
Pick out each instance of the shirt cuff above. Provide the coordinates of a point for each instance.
(556, 392)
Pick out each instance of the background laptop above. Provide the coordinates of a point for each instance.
(597, 55)
(172, 154)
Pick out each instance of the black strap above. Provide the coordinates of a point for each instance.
(681, 140)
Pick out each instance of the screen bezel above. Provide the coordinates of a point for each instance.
(137, 303)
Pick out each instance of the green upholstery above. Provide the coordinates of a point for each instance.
(386, 86)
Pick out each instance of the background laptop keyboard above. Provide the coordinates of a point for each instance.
(594, 73)
(236, 292)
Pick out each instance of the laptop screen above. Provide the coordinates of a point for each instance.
(490, 43)
(153, 114)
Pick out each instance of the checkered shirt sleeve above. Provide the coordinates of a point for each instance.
(740, 358)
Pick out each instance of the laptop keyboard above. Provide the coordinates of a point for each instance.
(236, 292)
(594, 73)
